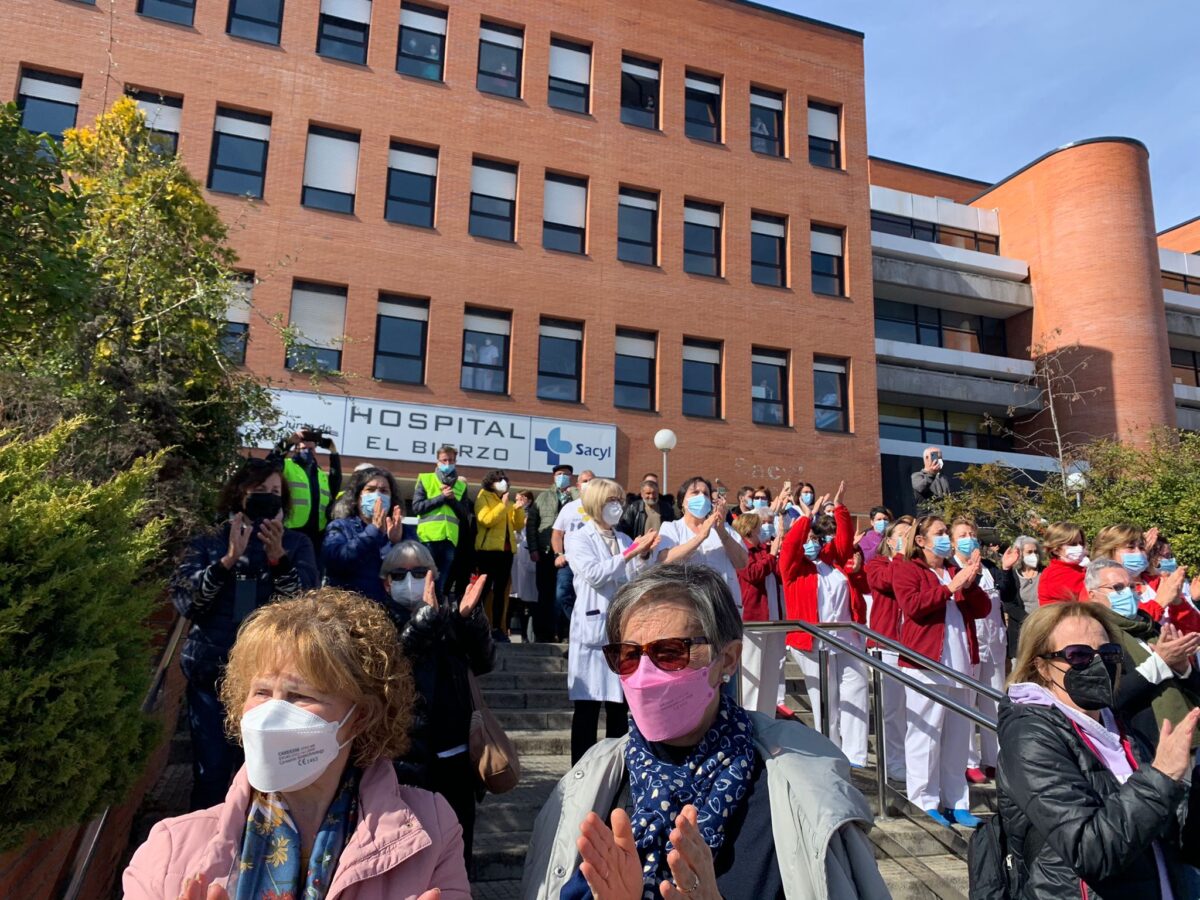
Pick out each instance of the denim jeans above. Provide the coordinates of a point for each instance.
(443, 558)
(564, 598)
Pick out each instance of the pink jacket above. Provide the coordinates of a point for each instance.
(407, 841)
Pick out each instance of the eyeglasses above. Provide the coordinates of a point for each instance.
(669, 654)
(416, 572)
(1080, 656)
(1116, 587)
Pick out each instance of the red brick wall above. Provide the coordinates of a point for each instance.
(1185, 238)
(280, 240)
(916, 180)
(1084, 220)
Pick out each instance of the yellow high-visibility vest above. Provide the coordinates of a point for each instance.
(298, 486)
(442, 523)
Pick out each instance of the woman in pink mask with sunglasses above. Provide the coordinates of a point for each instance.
(702, 799)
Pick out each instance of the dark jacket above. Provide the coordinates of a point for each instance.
(1085, 824)
(1135, 695)
(539, 518)
(311, 465)
(633, 519)
(1008, 583)
(206, 592)
(353, 553)
(442, 647)
(926, 486)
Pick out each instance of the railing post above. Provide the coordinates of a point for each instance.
(880, 737)
(823, 667)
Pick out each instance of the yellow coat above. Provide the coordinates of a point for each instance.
(494, 519)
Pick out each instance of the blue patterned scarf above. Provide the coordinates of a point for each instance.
(271, 866)
(715, 779)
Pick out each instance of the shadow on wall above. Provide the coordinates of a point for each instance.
(1079, 381)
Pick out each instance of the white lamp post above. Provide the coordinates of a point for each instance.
(665, 440)
(1077, 481)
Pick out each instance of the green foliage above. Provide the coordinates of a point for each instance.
(74, 650)
(1157, 484)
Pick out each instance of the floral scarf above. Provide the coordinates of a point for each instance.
(715, 779)
(271, 866)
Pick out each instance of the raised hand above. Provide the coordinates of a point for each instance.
(611, 866)
(1150, 538)
(430, 596)
(395, 525)
(270, 532)
(240, 530)
(379, 515)
(691, 862)
(837, 498)
(1170, 588)
(1176, 649)
(646, 542)
(1174, 755)
(720, 509)
(1011, 555)
(470, 597)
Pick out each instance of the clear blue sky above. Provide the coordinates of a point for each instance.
(981, 89)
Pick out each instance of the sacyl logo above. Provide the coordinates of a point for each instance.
(553, 446)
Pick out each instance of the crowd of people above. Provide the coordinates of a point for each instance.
(333, 645)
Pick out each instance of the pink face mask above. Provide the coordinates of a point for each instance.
(666, 705)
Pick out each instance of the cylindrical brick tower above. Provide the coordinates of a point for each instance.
(1083, 218)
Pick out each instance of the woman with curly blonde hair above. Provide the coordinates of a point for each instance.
(321, 699)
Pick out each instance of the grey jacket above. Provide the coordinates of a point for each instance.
(818, 818)
(929, 487)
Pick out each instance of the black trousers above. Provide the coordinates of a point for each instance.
(587, 719)
(497, 566)
(454, 778)
(545, 615)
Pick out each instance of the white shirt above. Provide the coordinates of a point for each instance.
(570, 517)
(711, 553)
(956, 653)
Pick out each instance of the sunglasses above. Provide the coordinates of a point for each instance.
(1080, 656)
(669, 654)
(418, 572)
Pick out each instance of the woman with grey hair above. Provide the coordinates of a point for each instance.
(702, 798)
(445, 642)
(1018, 585)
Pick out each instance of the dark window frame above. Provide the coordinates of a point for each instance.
(235, 337)
(701, 129)
(325, 19)
(934, 427)
(233, 16)
(484, 368)
(715, 394)
(652, 244)
(649, 385)
(308, 192)
(306, 356)
(418, 60)
(838, 268)
(577, 376)
(823, 152)
(167, 141)
(189, 5)
(781, 245)
(487, 216)
(780, 402)
(1190, 365)
(843, 410)
(702, 261)
(215, 150)
(776, 139)
(933, 233)
(52, 78)
(567, 88)
(1184, 284)
(634, 112)
(421, 357)
(516, 76)
(390, 198)
(571, 232)
(929, 322)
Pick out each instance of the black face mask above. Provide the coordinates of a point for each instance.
(1090, 688)
(262, 505)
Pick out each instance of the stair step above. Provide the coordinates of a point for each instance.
(500, 857)
(534, 719)
(511, 662)
(528, 699)
(540, 743)
(526, 650)
(910, 880)
(499, 680)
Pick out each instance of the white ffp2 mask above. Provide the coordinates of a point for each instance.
(408, 591)
(287, 747)
(611, 512)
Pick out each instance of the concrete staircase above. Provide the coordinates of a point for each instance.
(527, 692)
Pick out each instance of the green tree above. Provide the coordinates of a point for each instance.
(73, 641)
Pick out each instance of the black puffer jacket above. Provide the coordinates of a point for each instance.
(1086, 825)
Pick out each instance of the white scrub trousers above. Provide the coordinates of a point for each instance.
(847, 700)
(762, 670)
(935, 747)
(895, 719)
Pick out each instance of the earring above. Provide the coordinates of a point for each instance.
(727, 678)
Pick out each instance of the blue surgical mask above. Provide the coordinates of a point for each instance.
(562, 481)
(966, 546)
(1123, 602)
(1167, 565)
(942, 546)
(699, 505)
(806, 498)
(1134, 563)
(446, 468)
(880, 526)
(367, 501)
(812, 549)
(827, 539)
(760, 504)
(767, 532)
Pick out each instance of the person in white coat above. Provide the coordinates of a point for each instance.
(993, 649)
(602, 560)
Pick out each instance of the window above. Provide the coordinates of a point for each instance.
(319, 315)
(500, 60)
(178, 11)
(162, 118)
(701, 239)
(493, 200)
(933, 327)
(485, 351)
(401, 328)
(829, 394)
(633, 371)
(917, 229)
(702, 379)
(330, 170)
(1187, 284)
(1185, 368)
(560, 360)
(570, 75)
(564, 215)
(766, 122)
(637, 227)
(768, 386)
(702, 107)
(256, 20)
(48, 102)
(639, 92)
(239, 153)
(828, 276)
(422, 46)
(824, 135)
(768, 249)
(343, 30)
(412, 185)
(937, 426)
(237, 318)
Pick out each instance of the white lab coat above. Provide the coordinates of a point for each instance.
(598, 576)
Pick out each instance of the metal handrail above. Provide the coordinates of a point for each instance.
(887, 643)
(878, 670)
(87, 851)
